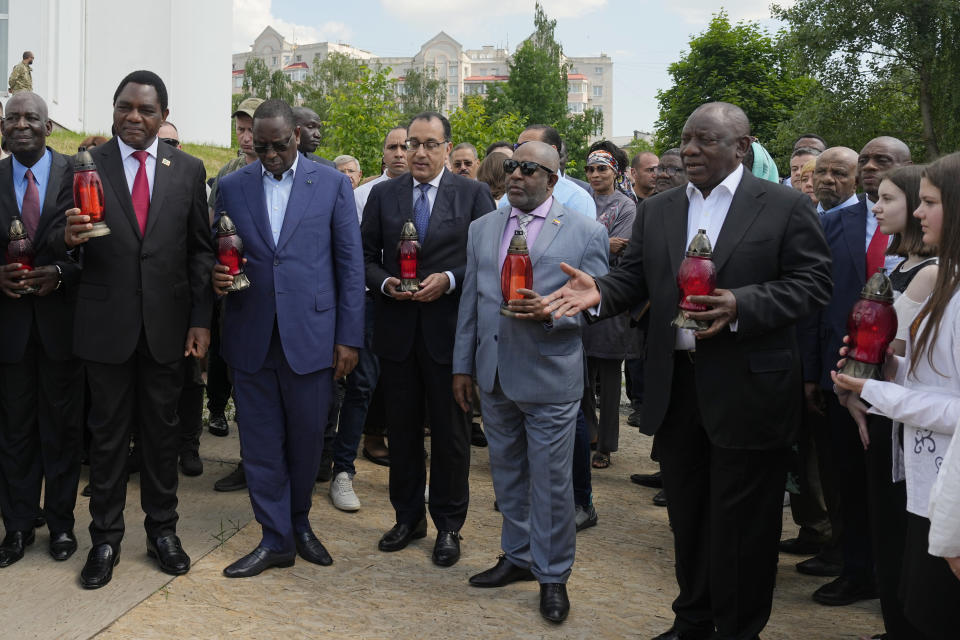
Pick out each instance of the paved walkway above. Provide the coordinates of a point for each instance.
(622, 583)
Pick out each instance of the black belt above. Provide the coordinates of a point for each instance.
(685, 355)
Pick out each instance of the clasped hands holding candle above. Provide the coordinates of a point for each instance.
(581, 293)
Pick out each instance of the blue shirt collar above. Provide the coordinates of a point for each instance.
(289, 173)
(40, 170)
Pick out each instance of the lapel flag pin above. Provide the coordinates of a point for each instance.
(165, 162)
(309, 181)
(557, 222)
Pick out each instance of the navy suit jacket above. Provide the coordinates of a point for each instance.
(821, 335)
(310, 281)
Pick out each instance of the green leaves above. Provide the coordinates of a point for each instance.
(471, 123)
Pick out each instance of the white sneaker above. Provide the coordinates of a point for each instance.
(341, 493)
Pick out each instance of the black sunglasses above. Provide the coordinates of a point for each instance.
(173, 142)
(279, 147)
(527, 167)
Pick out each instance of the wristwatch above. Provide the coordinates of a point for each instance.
(59, 277)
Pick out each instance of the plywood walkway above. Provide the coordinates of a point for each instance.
(622, 584)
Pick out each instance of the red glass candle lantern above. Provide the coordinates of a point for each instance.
(871, 326)
(20, 249)
(88, 193)
(408, 255)
(517, 271)
(230, 253)
(697, 277)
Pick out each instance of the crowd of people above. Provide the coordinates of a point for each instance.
(111, 340)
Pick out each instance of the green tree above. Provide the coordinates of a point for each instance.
(471, 123)
(281, 88)
(577, 131)
(738, 63)
(852, 46)
(422, 91)
(358, 115)
(256, 78)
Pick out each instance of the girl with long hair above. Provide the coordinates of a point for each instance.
(923, 392)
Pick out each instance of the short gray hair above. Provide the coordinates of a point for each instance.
(344, 159)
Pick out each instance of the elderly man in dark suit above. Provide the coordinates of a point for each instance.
(414, 332)
(722, 402)
(144, 303)
(40, 380)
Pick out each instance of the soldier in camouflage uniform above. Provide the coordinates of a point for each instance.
(21, 78)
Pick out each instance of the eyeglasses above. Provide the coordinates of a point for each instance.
(173, 142)
(527, 167)
(517, 145)
(429, 145)
(670, 171)
(279, 147)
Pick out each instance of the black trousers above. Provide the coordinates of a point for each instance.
(929, 590)
(40, 439)
(143, 392)
(816, 507)
(606, 373)
(725, 506)
(190, 407)
(888, 521)
(404, 386)
(849, 469)
(218, 373)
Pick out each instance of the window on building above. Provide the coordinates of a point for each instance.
(299, 58)
(274, 60)
(493, 71)
(452, 70)
(598, 69)
(598, 92)
(238, 82)
(597, 107)
(452, 91)
(286, 60)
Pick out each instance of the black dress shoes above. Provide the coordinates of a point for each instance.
(98, 570)
(844, 591)
(660, 500)
(477, 437)
(820, 566)
(446, 550)
(383, 461)
(218, 425)
(169, 555)
(311, 550)
(401, 535)
(258, 561)
(62, 545)
(554, 604)
(651, 480)
(236, 480)
(799, 547)
(13, 545)
(502, 574)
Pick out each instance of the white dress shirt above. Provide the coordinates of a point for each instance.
(709, 214)
(131, 165)
(927, 402)
(361, 193)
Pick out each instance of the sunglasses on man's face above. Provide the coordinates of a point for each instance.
(279, 147)
(527, 167)
(173, 142)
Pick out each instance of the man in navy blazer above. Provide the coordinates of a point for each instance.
(413, 333)
(296, 328)
(849, 231)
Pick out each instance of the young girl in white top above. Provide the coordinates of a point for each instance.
(925, 395)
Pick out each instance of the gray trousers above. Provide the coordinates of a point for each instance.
(538, 531)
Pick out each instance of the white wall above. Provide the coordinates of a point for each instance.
(85, 47)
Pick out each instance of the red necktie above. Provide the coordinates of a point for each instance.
(141, 191)
(876, 252)
(30, 210)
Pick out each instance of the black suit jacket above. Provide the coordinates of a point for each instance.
(772, 254)
(157, 284)
(459, 202)
(53, 312)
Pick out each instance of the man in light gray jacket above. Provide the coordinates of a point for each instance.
(529, 369)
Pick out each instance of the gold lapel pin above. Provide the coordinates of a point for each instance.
(165, 162)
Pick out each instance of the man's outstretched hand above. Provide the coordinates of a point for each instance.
(580, 293)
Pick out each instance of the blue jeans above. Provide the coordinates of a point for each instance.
(582, 486)
(359, 390)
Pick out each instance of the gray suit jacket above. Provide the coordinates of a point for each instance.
(535, 363)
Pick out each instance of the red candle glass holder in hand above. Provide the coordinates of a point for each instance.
(408, 255)
(230, 253)
(697, 276)
(88, 193)
(20, 249)
(516, 273)
(871, 327)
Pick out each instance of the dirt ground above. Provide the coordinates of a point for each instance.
(622, 583)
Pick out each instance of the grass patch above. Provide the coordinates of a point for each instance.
(212, 157)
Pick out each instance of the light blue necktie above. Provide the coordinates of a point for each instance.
(421, 211)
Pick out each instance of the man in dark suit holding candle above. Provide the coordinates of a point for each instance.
(144, 302)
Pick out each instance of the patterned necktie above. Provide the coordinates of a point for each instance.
(30, 210)
(141, 191)
(523, 219)
(421, 211)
